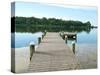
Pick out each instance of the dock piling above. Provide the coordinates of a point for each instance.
(73, 47)
(32, 49)
(66, 38)
(39, 40)
(42, 36)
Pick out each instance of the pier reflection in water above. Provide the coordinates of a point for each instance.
(85, 48)
(71, 41)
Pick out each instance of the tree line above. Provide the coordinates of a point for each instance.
(33, 24)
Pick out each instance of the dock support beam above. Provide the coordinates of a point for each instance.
(65, 38)
(32, 50)
(73, 47)
(45, 32)
(42, 36)
(39, 40)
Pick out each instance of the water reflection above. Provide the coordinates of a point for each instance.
(19, 40)
(84, 46)
(72, 42)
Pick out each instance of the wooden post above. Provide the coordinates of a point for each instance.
(39, 40)
(74, 37)
(66, 38)
(45, 32)
(42, 36)
(32, 49)
(73, 47)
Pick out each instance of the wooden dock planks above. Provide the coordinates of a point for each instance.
(53, 54)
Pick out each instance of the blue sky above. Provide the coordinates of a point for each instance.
(65, 12)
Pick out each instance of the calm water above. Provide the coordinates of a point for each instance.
(85, 46)
(24, 39)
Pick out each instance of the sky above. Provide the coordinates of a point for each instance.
(65, 12)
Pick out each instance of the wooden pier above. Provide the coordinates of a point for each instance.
(70, 35)
(53, 54)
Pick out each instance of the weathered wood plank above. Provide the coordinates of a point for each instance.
(53, 54)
